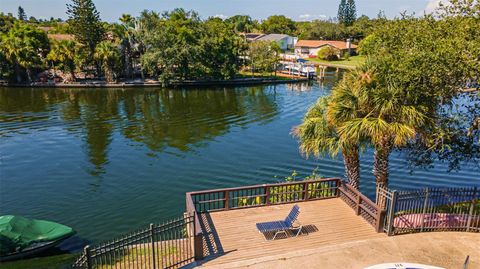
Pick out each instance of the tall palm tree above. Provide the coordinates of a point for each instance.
(108, 55)
(318, 136)
(125, 34)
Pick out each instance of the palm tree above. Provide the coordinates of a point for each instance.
(318, 136)
(108, 55)
(125, 35)
(62, 54)
(384, 117)
(25, 47)
(12, 49)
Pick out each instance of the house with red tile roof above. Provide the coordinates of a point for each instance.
(310, 48)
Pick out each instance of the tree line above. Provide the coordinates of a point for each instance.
(169, 46)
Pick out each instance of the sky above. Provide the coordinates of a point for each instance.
(299, 10)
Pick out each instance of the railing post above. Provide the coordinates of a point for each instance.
(197, 241)
(88, 257)
(226, 194)
(267, 194)
(359, 201)
(391, 213)
(152, 238)
(471, 209)
(380, 219)
(424, 211)
(339, 184)
(305, 189)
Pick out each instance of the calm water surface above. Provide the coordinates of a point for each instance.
(109, 161)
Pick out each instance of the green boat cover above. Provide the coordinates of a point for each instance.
(17, 233)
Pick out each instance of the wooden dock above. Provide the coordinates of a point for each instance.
(232, 236)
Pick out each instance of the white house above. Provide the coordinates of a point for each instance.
(310, 48)
(284, 41)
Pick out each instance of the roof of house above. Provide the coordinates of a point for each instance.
(272, 37)
(60, 37)
(318, 43)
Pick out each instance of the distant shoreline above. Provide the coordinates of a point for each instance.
(196, 83)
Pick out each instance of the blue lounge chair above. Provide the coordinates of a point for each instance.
(282, 226)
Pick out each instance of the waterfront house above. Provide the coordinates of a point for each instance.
(285, 42)
(310, 48)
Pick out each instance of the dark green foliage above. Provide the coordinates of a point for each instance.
(432, 60)
(21, 14)
(278, 24)
(6, 22)
(179, 46)
(242, 23)
(323, 30)
(84, 20)
(328, 53)
(263, 56)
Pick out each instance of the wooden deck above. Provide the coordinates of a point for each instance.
(232, 235)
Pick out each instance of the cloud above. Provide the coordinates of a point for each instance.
(432, 6)
(221, 16)
(309, 17)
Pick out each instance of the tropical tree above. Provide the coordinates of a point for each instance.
(125, 35)
(25, 47)
(109, 56)
(63, 54)
(318, 136)
(380, 114)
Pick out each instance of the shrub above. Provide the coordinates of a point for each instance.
(328, 53)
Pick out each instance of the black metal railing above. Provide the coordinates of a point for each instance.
(168, 245)
(433, 209)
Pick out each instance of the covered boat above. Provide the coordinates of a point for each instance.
(20, 237)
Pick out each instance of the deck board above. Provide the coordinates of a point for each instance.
(232, 235)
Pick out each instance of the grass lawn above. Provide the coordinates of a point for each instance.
(50, 262)
(353, 61)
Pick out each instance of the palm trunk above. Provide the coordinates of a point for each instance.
(380, 165)
(18, 73)
(29, 75)
(352, 166)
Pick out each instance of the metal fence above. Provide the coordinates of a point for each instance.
(431, 209)
(169, 245)
(262, 195)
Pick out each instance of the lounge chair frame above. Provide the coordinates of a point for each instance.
(282, 226)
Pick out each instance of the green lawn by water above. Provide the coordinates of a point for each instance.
(353, 61)
(51, 262)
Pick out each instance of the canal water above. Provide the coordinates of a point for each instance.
(106, 162)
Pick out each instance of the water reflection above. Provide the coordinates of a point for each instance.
(158, 119)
